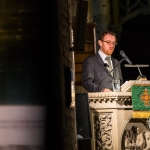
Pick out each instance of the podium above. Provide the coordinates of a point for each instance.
(111, 118)
(126, 87)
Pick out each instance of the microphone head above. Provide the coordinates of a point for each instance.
(106, 65)
(122, 53)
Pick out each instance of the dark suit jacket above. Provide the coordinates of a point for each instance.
(94, 72)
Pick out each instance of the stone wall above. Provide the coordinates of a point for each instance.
(63, 117)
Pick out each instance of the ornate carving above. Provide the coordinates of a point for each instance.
(134, 138)
(103, 131)
(110, 100)
(145, 97)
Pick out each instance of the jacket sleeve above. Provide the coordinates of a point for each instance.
(88, 76)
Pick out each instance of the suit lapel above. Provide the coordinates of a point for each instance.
(113, 61)
(101, 61)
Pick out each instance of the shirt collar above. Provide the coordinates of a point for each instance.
(103, 56)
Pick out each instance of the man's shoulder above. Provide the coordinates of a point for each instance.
(116, 60)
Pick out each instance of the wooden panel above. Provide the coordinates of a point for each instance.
(89, 49)
(78, 77)
(79, 57)
(78, 68)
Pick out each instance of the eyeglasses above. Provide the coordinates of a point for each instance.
(109, 43)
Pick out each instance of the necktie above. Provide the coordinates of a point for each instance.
(109, 63)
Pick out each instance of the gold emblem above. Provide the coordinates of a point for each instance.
(145, 97)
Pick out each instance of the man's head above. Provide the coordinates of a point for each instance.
(135, 129)
(147, 135)
(138, 130)
(107, 42)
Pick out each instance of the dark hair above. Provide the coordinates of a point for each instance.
(134, 129)
(104, 33)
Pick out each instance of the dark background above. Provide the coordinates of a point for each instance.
(24, 50)
(134, 42)
(26, 54)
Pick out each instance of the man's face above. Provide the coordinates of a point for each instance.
(138, 130)
(107, 44)
(147, 135)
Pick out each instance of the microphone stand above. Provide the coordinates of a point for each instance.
(110, 72)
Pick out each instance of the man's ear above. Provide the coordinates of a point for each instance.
(99, 42)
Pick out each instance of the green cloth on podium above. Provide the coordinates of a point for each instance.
(141, 101)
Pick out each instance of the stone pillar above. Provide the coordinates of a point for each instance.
(110, 112)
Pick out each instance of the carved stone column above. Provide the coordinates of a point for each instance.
(110, 113)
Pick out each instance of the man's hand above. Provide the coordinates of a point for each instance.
(106, 90)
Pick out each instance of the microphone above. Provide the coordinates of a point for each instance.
(106, 65)
(122, 53)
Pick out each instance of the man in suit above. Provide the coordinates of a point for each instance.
(95, 68)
